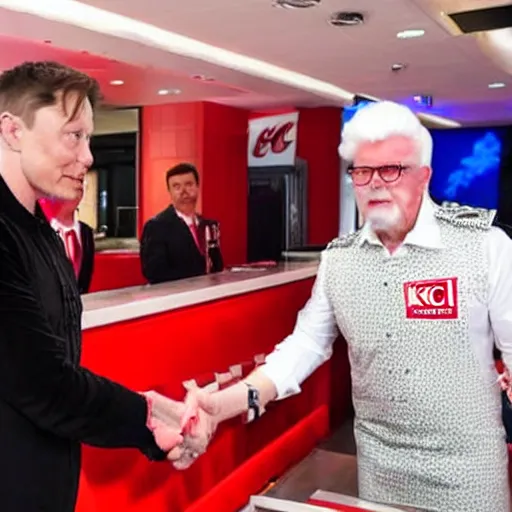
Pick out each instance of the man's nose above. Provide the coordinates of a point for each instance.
(376, 181)
(85, 157)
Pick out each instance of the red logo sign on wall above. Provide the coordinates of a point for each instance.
(272, 140)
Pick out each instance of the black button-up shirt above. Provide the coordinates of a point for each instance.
(48, 403)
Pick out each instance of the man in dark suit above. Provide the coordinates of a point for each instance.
(178, 243)
(77, 237)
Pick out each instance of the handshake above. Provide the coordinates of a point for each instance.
(183, 430)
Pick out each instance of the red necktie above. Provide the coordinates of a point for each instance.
(73, 250)
(195, 234)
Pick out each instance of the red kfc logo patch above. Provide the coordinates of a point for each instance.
(432, 299)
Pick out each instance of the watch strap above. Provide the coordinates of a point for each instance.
(253, 403)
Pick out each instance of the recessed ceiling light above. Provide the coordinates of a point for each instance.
(116, 82)
(164, 92)
(296, 4)
(496, 85)
(346, 19)
(203, 78)
(410, 34)
(398, 66)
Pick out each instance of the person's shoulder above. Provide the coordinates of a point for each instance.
(85, 226)
(163, 217)
(466, 217)
(502, 228)
(343, 241)
(8, 229)
(12, 241)
(499, 239)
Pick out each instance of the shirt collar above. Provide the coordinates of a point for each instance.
(425, 233)
(58, 226)
(189, 220)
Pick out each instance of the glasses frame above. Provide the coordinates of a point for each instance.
(400, 168)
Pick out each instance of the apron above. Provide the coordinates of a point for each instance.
(427, 415)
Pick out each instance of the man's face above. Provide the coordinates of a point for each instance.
(390, 205)
(54, 152)
(183, 189)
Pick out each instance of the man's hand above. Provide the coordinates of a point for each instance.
(204, 411)
(198, 424)
(164, 421)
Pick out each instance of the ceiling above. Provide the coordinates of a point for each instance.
(455, 69)
(141, 83)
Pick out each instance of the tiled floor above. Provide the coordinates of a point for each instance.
(322, 469)
(342, 441)
(330, 467)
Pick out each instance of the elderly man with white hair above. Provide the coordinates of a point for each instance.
(420, 294)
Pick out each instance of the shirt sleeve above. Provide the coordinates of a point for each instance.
(310, 344)
(38, 380)
(499, 254)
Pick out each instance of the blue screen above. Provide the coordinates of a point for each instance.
(466, 166)
(349, 111)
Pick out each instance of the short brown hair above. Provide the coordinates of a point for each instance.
(30, 86)
(183, 168)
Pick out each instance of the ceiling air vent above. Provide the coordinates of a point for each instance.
(346, 19)
(483, 20)
(296, 4)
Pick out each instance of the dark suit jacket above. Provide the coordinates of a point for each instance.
(168, 250)
(87, 268)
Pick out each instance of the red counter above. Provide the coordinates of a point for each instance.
(116, 269)
(157, 337)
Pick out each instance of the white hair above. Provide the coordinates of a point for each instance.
(379, 121)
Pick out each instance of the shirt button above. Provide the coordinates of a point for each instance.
(385, 283)
(388, 335)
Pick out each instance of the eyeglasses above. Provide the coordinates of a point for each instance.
(363, 175)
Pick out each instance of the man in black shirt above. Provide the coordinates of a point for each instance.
(48, 403)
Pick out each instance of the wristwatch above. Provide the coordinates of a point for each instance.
(253, 402)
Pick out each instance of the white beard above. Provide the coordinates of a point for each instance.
(384, 218)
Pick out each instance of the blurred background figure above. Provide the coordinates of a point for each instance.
(178, 242)
(77, 237)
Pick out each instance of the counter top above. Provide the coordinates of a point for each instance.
(104, 244)
(113, 306)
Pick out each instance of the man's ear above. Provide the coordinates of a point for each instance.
(11, 130)
(427, 173)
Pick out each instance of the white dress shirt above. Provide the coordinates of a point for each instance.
(188, 219)
(310, 344)
(61, 229)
